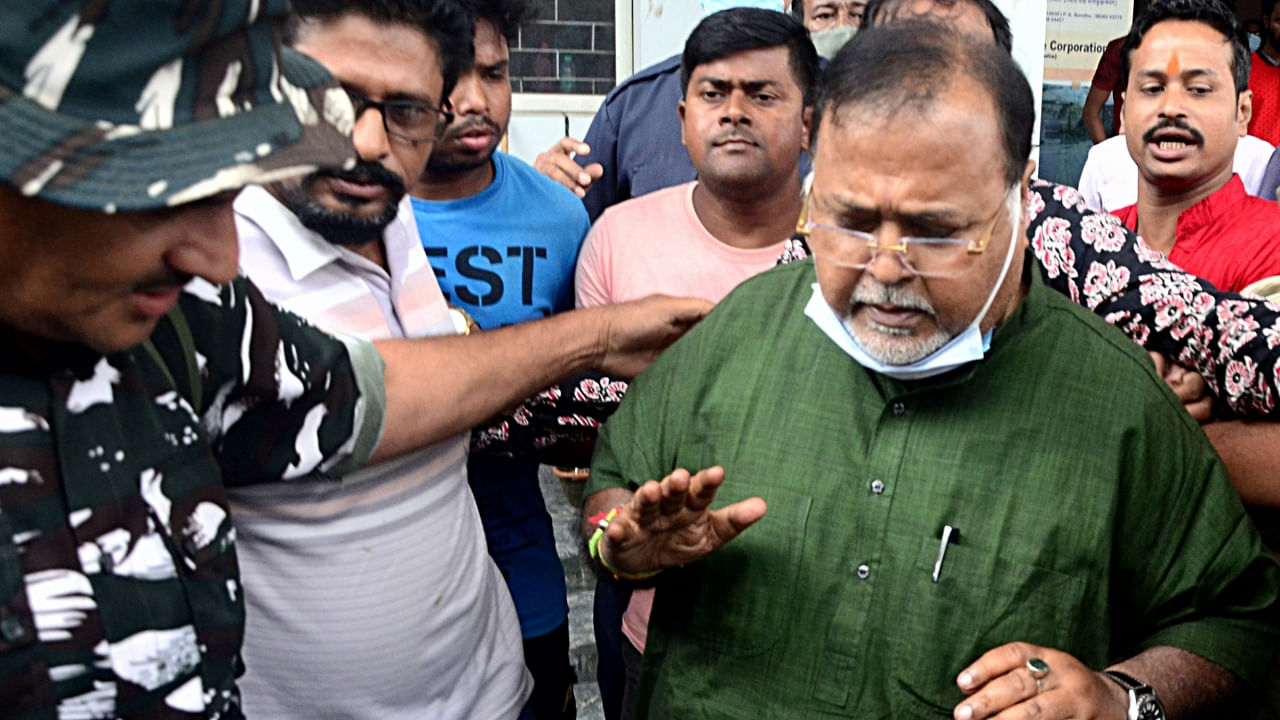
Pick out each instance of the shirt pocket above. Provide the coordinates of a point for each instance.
(981, 601)
(735, 602)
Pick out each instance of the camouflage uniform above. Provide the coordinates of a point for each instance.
(118, 574)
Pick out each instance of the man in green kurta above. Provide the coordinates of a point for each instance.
(965, 494)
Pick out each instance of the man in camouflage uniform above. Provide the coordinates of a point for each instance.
(141, 375)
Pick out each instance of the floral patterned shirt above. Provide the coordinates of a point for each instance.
(1230, 339)
(119, 590)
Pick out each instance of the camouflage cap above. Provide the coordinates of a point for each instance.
(139, 104)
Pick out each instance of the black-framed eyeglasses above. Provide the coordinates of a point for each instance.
(405, 119)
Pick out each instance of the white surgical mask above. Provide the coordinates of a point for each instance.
(1255, 42)
(715, 6)
(829, 42)
(968, 346)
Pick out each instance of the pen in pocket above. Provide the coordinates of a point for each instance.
(950, 536)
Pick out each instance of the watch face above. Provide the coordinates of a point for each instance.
(1150, 709)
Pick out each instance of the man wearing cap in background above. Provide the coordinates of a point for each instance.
(131, 393)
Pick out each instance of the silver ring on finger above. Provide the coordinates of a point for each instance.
(1039, 670)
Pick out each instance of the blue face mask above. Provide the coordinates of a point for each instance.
(1255, 42)
(966, 347)
(715, 6)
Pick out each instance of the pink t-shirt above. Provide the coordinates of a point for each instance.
(656, 244)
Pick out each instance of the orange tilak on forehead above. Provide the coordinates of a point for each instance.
(1172, 68)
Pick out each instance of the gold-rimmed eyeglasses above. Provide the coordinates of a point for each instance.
(923, 256)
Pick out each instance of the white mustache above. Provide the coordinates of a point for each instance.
(871, 292)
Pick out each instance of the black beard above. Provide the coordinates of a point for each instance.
(336, 226)
(452, 164)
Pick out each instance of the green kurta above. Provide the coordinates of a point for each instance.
(1094, 516)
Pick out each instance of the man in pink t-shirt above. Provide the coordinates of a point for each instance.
(749, 80)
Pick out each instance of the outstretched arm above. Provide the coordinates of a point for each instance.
(1230, 339)
(1094, 103)
(438, 387)
(668, 523)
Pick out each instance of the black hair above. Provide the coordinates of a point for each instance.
(444, 22)
(797, 9)
(908, 64)
(1267, 7)
(879, 12)
(736, 30)
(1213, 13)
(506, 16)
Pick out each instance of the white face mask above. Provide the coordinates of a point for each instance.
(1255, 42)
(968, 346)
(715, 6)
(829, 42)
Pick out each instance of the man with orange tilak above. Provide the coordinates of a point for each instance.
(1187, 104)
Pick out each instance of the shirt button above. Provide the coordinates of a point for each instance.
(877, 487)
(899, 409)
(864, 571)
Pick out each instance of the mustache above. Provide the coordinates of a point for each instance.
(464, 124)
(871, 292)
(366, 172)
(1172, 123)
(736, 133)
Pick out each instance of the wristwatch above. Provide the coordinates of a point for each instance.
(1143, 703)
(462, 320)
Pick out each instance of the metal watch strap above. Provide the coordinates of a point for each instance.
(1143, 703)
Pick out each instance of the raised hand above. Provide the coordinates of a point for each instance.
(669, 523)
(558, 164)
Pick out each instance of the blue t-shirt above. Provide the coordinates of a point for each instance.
(506, 255)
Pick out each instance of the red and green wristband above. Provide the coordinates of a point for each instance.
(601, 521)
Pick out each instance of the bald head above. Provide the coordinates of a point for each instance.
(978, 17)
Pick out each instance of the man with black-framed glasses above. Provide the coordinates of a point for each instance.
(374, 597)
